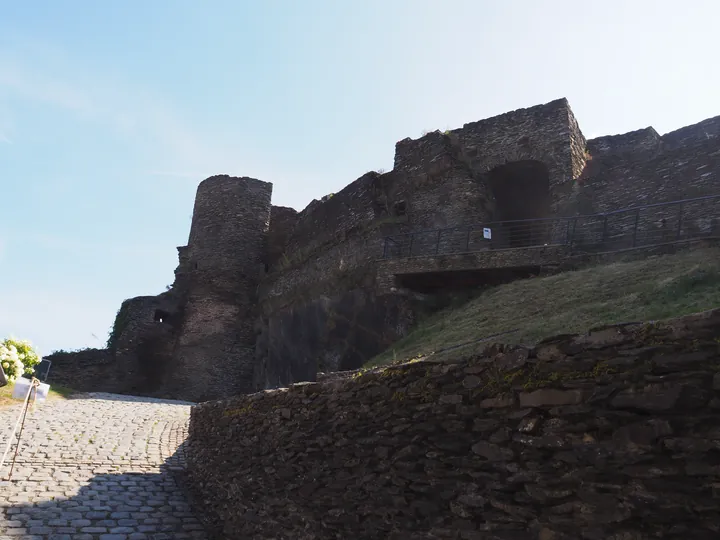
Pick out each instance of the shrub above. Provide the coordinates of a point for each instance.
(17, 357)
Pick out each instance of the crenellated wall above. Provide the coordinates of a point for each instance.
(612, 434)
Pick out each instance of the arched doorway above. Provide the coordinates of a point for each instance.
(521, 190)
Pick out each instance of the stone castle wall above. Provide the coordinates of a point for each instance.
(691, 135)
(283, 221)
(265, 296)
(613, 434)
(544, 133)
(617, 179)
(196, 340)
(144, 337)
(324, 285)
(642, 168)
(317, 303)
(87, 370)
(214, 354)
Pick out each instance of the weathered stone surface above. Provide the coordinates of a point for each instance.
(643, 433)
(498, 402)
(653, 397)
(492, 452)
(511, 360)
(549, 397)
(410, 451)
(87, 370)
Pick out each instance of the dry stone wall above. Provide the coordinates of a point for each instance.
(612, 434)
(87, 370)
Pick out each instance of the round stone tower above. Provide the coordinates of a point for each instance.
(225, 261)
(229, 225)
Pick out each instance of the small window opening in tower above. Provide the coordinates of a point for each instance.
(161, 316)
(400, 208)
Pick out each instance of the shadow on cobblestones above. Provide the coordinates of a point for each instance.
(85, 502)
(101, 468)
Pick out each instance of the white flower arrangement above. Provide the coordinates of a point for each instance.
(17, 357)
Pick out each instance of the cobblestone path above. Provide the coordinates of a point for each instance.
(100, 466)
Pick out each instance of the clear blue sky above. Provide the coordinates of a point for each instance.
(112, 112)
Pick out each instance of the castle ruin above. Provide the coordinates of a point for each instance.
(265, 296)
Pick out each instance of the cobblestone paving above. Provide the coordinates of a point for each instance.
(100, 466)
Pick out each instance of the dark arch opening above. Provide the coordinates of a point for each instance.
(522, 192)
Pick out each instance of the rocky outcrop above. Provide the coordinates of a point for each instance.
(613, 434)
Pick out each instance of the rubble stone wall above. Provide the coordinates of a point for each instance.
(87, 370)
(612, 434)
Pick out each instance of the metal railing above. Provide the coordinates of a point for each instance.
(628, 228)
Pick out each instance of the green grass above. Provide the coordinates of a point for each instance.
(56, 392)
(654, 288)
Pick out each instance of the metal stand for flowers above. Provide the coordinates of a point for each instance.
(32, 390)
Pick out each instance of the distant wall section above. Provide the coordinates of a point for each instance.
(640, 168)
(88, 370)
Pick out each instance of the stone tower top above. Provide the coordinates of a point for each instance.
(229, 224)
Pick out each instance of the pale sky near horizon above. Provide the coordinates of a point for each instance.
(111, 113)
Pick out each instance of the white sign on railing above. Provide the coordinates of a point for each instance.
(487, 233)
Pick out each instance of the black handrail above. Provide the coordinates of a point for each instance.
(478, 227)
(571, 231)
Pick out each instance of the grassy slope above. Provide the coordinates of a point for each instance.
(650, 289)
(56, 392)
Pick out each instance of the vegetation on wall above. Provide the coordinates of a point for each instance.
(118, 327)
